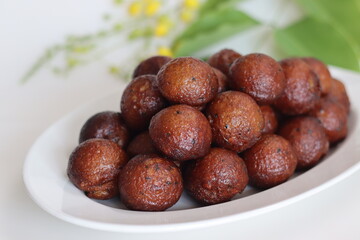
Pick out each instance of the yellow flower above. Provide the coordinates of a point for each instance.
(187, 16)
(191, 4)
(165, 51)
(161, 29)
(135, 8)
(152, 7)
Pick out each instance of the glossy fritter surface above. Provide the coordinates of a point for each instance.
(270, 161)
(258, 75)
(308, 139)
(302, 90)
(222, 80)
(151, 66)
(140, 101)
(333, 117)
(338, 94)
(270, 119)
(181, 132)
(150, 183)
(187, 80)
(94, 166)
(107, 125)
(236, 120)
(223, 59)
(322, 72)
(141, 144)
(215, 178)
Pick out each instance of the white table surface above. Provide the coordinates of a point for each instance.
(26, 110)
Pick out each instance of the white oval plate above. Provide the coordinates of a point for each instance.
(45, 178)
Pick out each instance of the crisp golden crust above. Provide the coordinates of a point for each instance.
(236, 120)
(187, 80)
(150, 65)
(270, 161)
(308, 139)
(140, 101)
(94, 166)
(150, 183)
(215, 178)
(181, 132)
(302, 91)
(258, 75)
(107, 125)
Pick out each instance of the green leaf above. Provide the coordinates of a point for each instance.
(211, 28)
(312, 37)
(212, 5)
(344, 15)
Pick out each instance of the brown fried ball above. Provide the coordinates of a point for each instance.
(107, 125)
(222, 80)
(302, 91)
(223, 59)
(270, 119)
(181, 132)
(94, 166)
(338, 94)
(150, 65)
(258, 75)
(236, 120)
(215, 178)
(140, 101)
(150, 183)
(187, 80)
(141, 144)
(322, 72)
(270, 161)
(308, 139)
(333, 117)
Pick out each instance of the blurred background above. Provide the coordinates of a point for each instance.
(128, 31)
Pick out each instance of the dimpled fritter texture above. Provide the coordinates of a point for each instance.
(333, 117)
(338, 94)
(94, 166)
(236, 120)
(223, 59)
(222, 80)
(270, 161)
(150, 183)
(322, 72)
(308, 139)
(141, 144)
(151, 66)
(216, 178)
(258, 75)
(181, 133)
(302, 91)
(140, 101)
(270, 119)
(187, 80)
(107, 125)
